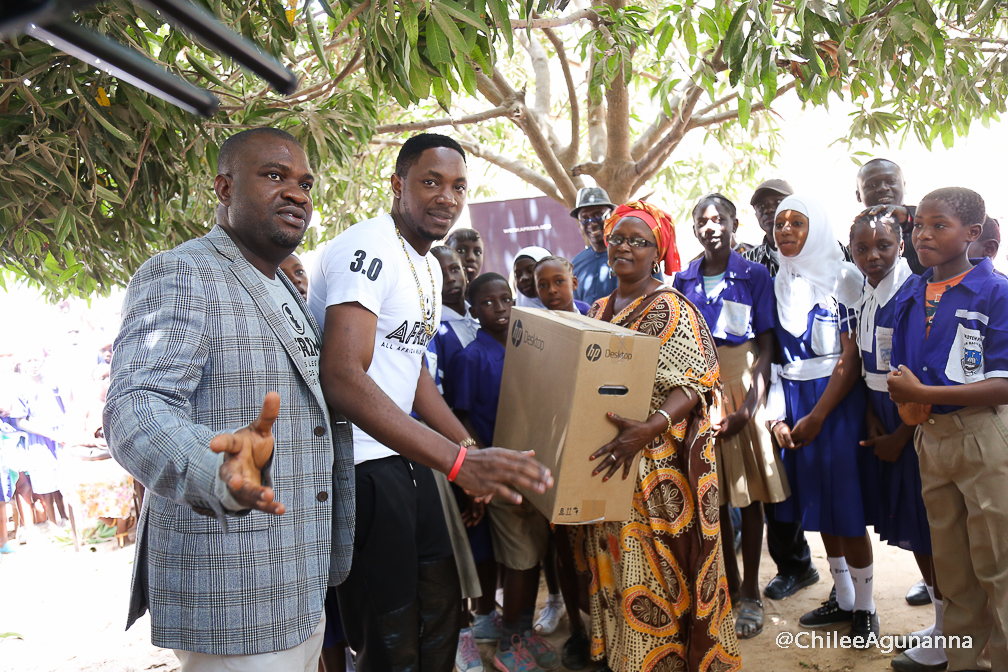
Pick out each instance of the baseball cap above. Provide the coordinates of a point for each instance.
(775, 185)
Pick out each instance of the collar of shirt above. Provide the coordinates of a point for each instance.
(737, 267)
(449, 315)
(973, 282)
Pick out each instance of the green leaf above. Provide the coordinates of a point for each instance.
(858, 7)
(203, 71)
(733, 36)
(316, 39)
(102, 118)
(499, 11)
(64, 220)
(744, 109)
(462, 14)
(437, 44)
(408, 14)
(446, 24)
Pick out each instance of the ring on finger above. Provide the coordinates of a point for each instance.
(612, 456)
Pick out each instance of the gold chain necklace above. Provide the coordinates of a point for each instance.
(427, 316)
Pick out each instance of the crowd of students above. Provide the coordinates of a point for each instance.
(808, 331)
(813, 385)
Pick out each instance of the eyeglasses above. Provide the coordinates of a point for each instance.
(636, 241)
(595, 222)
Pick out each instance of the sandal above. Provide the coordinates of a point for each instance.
(750, 618)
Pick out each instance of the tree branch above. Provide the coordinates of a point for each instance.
(569, 154)
(592, 168)
(673, 137)
(350, 17)
(502, 111)
(556, 21)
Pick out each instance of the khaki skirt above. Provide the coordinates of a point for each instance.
(749, 469)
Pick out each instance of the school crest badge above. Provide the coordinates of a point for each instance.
(965, 362)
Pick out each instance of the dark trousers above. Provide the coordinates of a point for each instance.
(787, 545)
(400, 602)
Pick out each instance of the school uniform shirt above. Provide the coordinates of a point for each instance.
(595, 278)
(454, 334)
(477, 379)
(368, 264)
(876, 316)
(968, 341)
(739, 307)
(582, 307)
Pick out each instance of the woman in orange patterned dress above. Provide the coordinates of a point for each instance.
(658, 594)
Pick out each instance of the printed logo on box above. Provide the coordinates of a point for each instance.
(519, 336)
(594, 352)
(516, 333)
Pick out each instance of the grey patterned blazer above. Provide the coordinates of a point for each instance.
(201, 344)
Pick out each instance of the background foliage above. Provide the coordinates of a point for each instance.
(96, 175)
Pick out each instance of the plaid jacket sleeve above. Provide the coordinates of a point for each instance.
(158, 362)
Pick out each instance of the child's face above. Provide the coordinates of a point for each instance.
(790, 232)
(471, 254)
(491, 305)
(296, 273)
(455, 283)
(555, 286)
(875, 248)
(713, 228)
(524, 270)
(939, 236)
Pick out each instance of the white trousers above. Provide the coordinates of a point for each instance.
(303, 657)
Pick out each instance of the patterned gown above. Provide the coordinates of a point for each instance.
(658, 593)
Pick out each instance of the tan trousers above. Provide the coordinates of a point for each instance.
(964, 471)
(302, 658)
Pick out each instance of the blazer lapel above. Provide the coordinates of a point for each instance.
(251, 279)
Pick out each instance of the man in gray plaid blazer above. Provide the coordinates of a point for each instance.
(214, 404)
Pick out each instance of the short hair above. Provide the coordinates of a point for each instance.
(878, 161)
(484, 279)
(411, 150)
(231, 148)
(967, 204)
(715, 197)
(991, 230)
(882, 217)
(442, 249)
(564, 263)
(463, 235)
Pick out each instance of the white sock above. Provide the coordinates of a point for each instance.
(931, 656)
(862, 578)
(842, 581)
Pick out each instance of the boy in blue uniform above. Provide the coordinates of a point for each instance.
(953, 383)
(520, 533)
(458, 328)
(736, 299)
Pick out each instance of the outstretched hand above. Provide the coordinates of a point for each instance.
(493, 471)
(633, 437)
(247, 451)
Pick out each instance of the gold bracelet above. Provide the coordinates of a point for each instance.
(467, 442)
(667, 417)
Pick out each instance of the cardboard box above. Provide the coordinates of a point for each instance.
(562, 373)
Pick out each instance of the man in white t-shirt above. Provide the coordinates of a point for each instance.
(376, 291)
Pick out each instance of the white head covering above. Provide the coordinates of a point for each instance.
(533, 252)
(816, 276)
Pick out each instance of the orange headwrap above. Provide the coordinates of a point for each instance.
(661, 224)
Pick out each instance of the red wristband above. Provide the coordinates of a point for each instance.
(458, 464)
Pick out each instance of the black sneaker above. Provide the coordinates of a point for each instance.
(576, 652)
(828, 614)
(863, 624)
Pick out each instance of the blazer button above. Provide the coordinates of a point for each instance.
(322, 496)
(320, 431)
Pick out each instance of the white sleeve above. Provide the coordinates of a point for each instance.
(358, 269)
(776, 405)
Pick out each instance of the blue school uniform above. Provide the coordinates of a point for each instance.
(453, 335)
(477, 376)
(824, 475)
(901, 518)
(968, 341)
(581, 306)
(740, 307)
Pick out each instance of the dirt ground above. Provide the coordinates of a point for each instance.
(70, 610)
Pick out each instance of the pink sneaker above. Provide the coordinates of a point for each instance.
(517, 659)
(545, 655)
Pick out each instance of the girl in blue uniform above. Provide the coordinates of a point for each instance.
(823, 407)
(901, 519)
(736, 300)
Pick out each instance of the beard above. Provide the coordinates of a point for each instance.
(285, 239)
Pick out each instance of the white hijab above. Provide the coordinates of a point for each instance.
(816, 276)
(536, 254)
